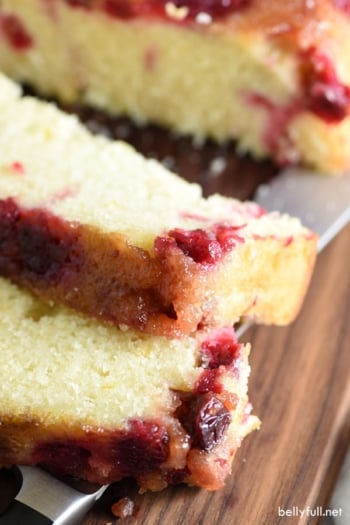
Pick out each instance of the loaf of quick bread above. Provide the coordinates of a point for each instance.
(102, 404)
(273, 75)
(90, 223)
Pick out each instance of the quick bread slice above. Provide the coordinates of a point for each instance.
(273, 75)
(90, 223)
(101, 404)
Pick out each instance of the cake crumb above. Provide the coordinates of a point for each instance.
(204, 18)
(123, 508)
(217, 166)
(168, 162)
(98, 128)
(173, 11)
(198, 141)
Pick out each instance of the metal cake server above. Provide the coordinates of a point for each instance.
(44, 500)
(323, 204)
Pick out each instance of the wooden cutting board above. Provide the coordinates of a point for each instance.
(300, 388)
(299, 385)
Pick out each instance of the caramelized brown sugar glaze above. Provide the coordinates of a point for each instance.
(108, 278)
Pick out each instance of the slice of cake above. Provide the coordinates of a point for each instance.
(90, 223)
(272, 75)
(101, 404)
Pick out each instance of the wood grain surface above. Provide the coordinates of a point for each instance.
(299, 385)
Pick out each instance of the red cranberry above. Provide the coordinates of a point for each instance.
(209, 381)
(114, 8)
(15, 32)
(220, 349)
(326, 95)
(62, 457)
(227, 236)
(200, 245)
(18, 168)
(139, 450)
(142, 448)
(9, 215)
(87, 4)
(205, 418)
(120, 8)
(211, 422)
(35, 242)
(203, 246)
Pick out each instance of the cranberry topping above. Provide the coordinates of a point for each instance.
(62, 457)
(87, 4)
(15, 32)
(200, 245)
(142, 448)
(121, 9)
(220, 349)
(205, 418)
(203, 246)
(138, 450)
(279, 118)
(35, 242)
(326, 95)
(227, 236)
(209, 381)
(125, 9)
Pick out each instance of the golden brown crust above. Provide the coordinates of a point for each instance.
(170, 294)
(87, 453)
(283, 274)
